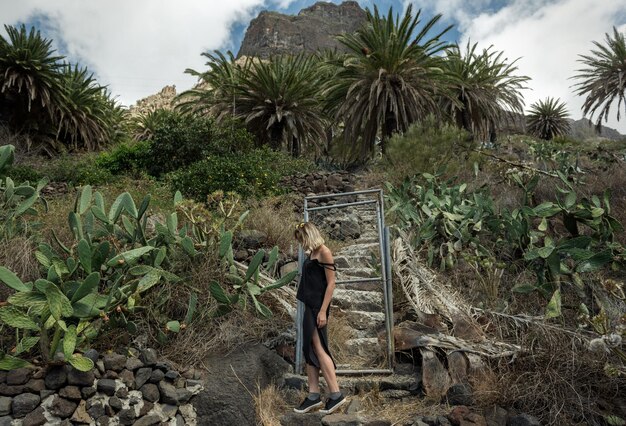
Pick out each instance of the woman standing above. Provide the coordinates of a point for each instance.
(315, 291)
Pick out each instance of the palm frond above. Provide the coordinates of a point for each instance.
(603, 78)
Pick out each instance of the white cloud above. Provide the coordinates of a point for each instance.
(548, 36)
(137, 46)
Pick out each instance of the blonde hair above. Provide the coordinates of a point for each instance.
(308, 235)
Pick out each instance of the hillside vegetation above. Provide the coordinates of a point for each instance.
(117, 230)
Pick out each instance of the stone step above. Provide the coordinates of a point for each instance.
(370, 321)
(373, 286)
(357, 273)
(358, 300)
(345, 262)
(358, 249)
(364, 347)
(356, 384)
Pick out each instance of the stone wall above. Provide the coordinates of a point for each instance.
(134, 389)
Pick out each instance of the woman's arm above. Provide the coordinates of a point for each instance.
(326, 257)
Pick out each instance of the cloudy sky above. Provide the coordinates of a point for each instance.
(138, 46)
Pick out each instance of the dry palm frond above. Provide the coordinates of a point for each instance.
(429, 296)
(422, 289)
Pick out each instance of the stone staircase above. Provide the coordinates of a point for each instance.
(357, 310)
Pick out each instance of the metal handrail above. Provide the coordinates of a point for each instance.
(385, 278)
(342, 194)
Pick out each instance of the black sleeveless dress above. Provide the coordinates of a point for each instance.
(311, 292)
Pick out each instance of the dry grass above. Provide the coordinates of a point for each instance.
(397, 412)
(557, 379)
(269, 404)
(339, 331)
(275, 217)
(17, 255)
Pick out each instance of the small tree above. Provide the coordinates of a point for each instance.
(548, 119)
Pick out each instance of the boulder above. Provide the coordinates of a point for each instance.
(106, 386)
(35, 418)
(80, 415)
(150, 392)
(24, 404)
(56, 377)
(252, 239)
(5, 405)
(80, 378)
(62, 408)
(19, 376)
(115, 362)
(226, 398)
(142, 376)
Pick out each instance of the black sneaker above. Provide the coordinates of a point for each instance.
(333, 404)
(308, 405)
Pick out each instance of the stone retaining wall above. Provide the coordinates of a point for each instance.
(134, 389)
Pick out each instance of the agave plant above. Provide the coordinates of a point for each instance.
(390, 77)
(485, 88)
(548, 119)
(603, 78)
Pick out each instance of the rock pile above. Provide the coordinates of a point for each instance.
(121, 390)
(320, 183)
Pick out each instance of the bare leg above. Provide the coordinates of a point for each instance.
(326, 364)
(313, 374)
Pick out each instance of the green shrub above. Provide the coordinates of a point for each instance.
(125, 158)
(23, 173)
(181, 140)
(427, 147)
(77, 171)
(254, 173)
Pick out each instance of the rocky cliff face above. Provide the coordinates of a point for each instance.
(314, 28)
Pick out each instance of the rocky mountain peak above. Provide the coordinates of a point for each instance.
(313, 29)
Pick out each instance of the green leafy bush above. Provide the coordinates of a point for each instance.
(254, 173)
(77, 170)
(99, 279)
(427, 147)
(245, 287)
(181, 140)
(23, 173)
(125, 158)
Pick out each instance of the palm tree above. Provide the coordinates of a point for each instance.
(29, 76)
(603, 79)
(87, 118)
(280, 101)
(485, 88)
(59, 105)
(214, 95)
(390, 77)
(548, 119)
